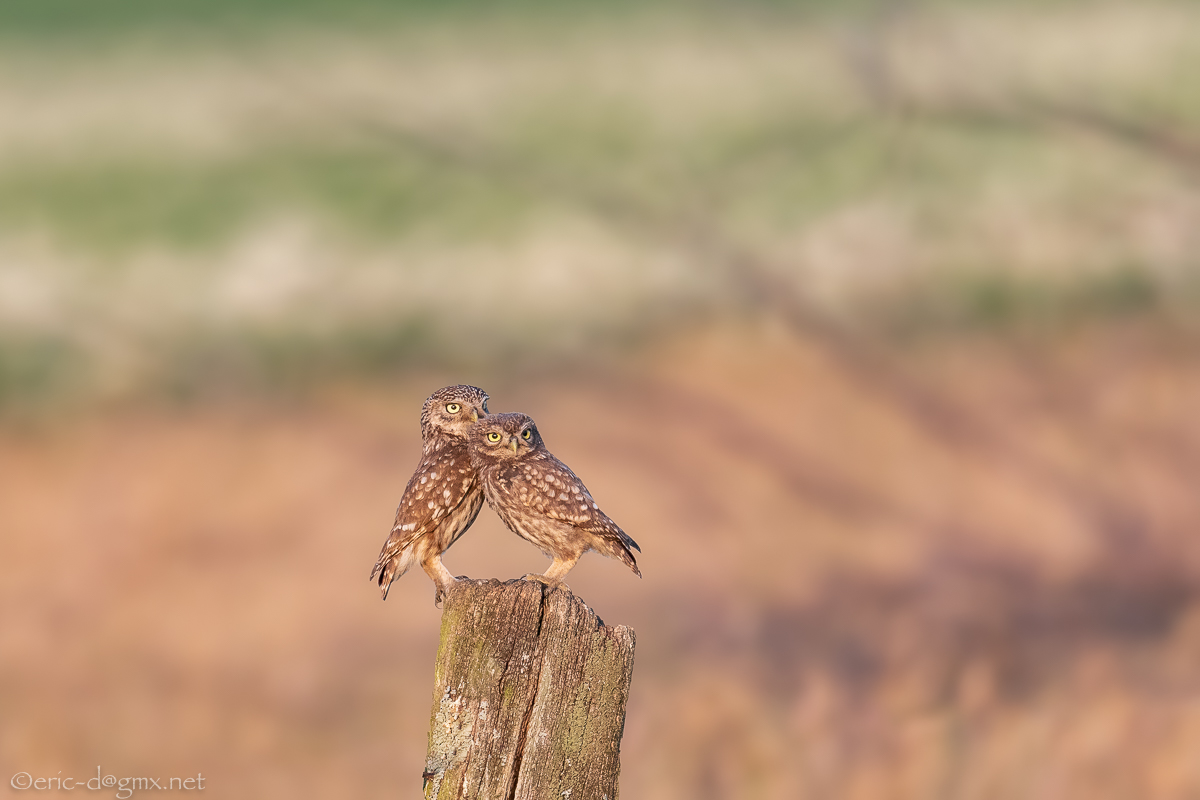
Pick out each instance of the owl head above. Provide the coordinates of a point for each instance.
(452, 411)
(505, 436)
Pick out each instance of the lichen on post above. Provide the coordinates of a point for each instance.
(529, 696)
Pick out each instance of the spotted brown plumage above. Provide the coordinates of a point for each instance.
(540, 499)
(442, 497)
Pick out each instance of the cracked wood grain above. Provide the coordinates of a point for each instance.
(529, 696)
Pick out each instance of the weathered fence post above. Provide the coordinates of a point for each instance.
(529, 696)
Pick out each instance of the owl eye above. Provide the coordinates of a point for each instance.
(525, 434)
(493, 437)
(453, 408)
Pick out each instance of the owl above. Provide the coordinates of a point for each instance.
(540, 499)
(443, 496)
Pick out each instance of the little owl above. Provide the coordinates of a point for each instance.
(540, 499)
(443, 496)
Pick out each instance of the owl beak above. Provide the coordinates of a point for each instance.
(474, 415)
(513, 444)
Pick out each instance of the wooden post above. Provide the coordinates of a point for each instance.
(529, 696)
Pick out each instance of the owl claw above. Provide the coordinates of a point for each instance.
(443, 590)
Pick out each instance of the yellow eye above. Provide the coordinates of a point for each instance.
(525, 434)
(493, 437)
(453, 408)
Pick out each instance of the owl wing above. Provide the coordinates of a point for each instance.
(442, 481)
(550, 487)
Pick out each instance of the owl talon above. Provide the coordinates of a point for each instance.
(549, 583)
(443, 588)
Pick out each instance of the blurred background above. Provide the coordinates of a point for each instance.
(875, 323)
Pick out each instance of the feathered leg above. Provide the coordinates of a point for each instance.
(441, 577)
(553, 577)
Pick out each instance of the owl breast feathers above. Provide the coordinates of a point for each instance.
(539, 498)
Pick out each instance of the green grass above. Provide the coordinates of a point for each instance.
(580, 184)
(55, 19)
(34, 370)
(117, 205)
(780, 171)
(991, 300)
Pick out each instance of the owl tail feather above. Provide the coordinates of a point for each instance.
(394, 561)
(620, 547)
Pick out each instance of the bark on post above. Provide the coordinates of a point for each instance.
(529, 696)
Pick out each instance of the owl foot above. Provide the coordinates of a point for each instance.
(443, 590)
(549, 583)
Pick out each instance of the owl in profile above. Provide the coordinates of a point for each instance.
(443, 496)
(540, 499)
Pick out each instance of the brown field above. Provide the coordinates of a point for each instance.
(962, 568)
